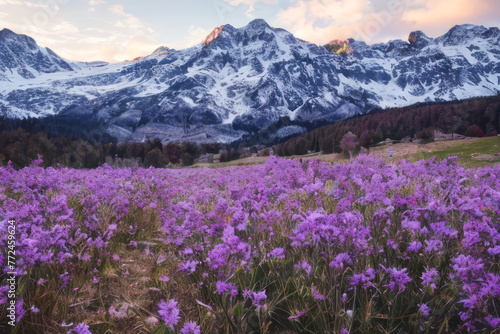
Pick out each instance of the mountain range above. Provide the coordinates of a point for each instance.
(241, 80)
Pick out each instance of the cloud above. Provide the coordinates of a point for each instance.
(64, 27)
(320, 21)
(117, 49)
(125, 37)
(439, 14)
(118, 9)
(127, 20)
(195, 36)
(49, 4)
(112, 35)
(94, 3)
(112, 31)
(250, 4)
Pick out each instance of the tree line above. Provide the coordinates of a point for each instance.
(473, 117)
(21, 147)
(83, 143)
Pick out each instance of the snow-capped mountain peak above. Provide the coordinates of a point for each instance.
(240, 80)
(21, 57)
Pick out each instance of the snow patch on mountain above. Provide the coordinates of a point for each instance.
(241, 80)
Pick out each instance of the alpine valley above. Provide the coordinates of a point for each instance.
(239, 81)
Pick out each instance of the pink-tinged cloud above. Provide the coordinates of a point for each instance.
(439, 14)
(320, 21)
(122, 36)
(195, 35)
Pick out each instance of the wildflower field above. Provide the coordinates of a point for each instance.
(283, 247)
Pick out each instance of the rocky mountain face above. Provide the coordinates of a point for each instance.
(22, 58)
(239, 81)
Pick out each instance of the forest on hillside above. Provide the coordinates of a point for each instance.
(21, 148)
(475, 117)
(83, 143)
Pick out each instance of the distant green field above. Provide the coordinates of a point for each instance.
(486, 146)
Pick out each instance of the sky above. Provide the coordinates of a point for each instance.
(112, 30)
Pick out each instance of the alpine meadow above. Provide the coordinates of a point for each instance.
(305, 167)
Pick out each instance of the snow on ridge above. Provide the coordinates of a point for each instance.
(257, 74)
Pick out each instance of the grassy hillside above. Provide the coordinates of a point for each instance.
(472, 118)
(471, 153)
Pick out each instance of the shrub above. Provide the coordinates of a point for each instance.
(474, 131)
(187, 159)
(155, 158)
(348, 143)
(426, 134)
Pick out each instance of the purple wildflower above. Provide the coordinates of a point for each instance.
(298, 315)
(65, 278)
(19, 310)
(277, 252)
(411, 224)
(470, 238)
(415, 246)
(424, 309)
(430, 277)
(397, 278)
(81, 328)
(190, 328)
(223, 287)
(305, 266)
(248, 293)
(472, 302)
(494, 250)
(339, 261)
(217, 257)
(259, 300)
(391, 243)
(433, 245)
(493, 322)
(189, 267)
(169, 312)
(164, 278)
(316, 295)
(121, 313)
(187, 251)
(466, 266)
(464, 316)
(364, 279)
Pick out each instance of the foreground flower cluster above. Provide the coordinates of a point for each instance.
(305, 246)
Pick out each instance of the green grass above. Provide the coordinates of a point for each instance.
(239, 162)
(490, 145)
